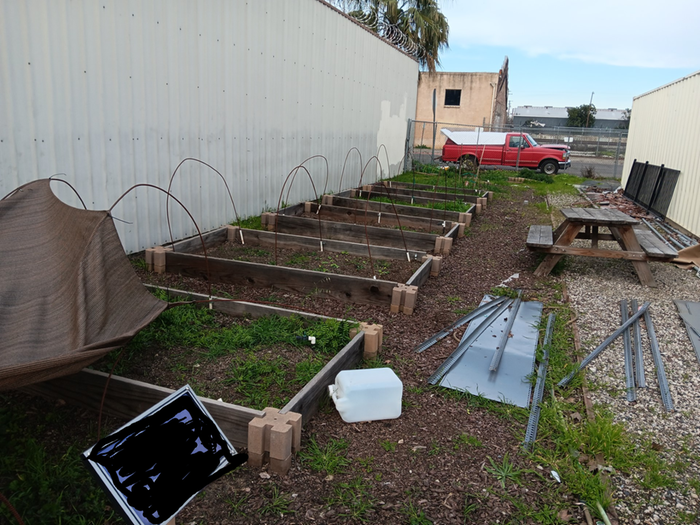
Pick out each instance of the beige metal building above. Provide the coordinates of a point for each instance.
(471, 99)
(665, 129)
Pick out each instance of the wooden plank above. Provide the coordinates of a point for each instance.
(307, 400)
(338, 213)
(385, 207)
(127, 398)
(356, 233)
(600, 236)
(407, 198)
(631, 244)
(591, 252)
(453, 232)
(652, 244)
(421, 274)
(432, 187)
(551, 259)
(194, 244)
(342, 287)
(539, 236)
(235, 308)
(602, 217)
(300, 242)
(434, 195)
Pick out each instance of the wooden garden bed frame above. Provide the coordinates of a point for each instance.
(128, 398)
(460, 190)
(399, 297)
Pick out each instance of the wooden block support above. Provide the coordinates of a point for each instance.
(460, 231)
(367, 187)
(489, 195)
(307, 207)
(233, 233)
(410, 299)
(483, 201)
(274, 436)
(159, 259)
(477, 208)
(397, 298)
(443, 245)
(353, 194)
(374, 337)
(149, 259)
(269, 221)
(436, 265)
(327, 200)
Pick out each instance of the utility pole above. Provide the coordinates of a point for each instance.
(589, 108)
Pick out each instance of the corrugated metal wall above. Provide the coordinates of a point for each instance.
(118, 92)
(665, 129)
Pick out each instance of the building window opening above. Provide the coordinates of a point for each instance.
(453, 97)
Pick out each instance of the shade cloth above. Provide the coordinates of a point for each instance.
(68, 294)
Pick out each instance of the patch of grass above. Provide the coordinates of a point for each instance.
(505, 471)
(237, 504)
(139, 263)
(414, 514)
(44, 486)
(467, 440)
(389, 446)
(503, 291)
(329, 459)
(453, 299)
(277, 503)
(298, 259)
(355, 499)
(251, 223)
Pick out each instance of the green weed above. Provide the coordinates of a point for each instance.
(468, 440)
(505, 471)
(329, 459)
(355, 499)
(277, 503)
(389, 446)
(415, 515)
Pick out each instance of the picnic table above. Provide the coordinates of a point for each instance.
(637, 243)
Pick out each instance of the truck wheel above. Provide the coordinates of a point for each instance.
(549, 167)
(467, 163)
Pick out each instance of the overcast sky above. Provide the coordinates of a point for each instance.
(560, 51)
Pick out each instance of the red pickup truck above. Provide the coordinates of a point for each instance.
(471, 148)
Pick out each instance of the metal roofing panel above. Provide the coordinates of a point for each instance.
(510, 383)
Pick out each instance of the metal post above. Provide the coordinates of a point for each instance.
(432, 154)
(617, 155)
(408, 145)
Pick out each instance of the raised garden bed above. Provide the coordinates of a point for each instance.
(252, 362)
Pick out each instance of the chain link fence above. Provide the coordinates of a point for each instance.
(424, 141)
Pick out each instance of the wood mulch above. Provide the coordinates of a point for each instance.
(429, 465)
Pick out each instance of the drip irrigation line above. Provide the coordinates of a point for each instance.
(590, 357)
(464, 345)
(533, 421)
(629, 365)
(506, 336)
(459, 322)
(658, 363)
(637, 347)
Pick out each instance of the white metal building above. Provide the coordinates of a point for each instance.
(118, 92)
(665, 129)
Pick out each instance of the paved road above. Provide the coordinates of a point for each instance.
(603, 167)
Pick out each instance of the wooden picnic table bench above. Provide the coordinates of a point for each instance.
(637, 244)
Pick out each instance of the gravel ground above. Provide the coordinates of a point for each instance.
(596, 287)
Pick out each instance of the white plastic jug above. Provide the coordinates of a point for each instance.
(367, 395)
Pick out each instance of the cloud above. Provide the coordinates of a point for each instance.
(638, 33)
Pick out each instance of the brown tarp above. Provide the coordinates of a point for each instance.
(68, 294)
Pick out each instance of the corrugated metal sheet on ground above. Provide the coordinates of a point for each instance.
(510, 383)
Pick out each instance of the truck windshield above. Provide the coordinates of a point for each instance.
(532, 141)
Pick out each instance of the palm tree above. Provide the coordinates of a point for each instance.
(418, 26)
